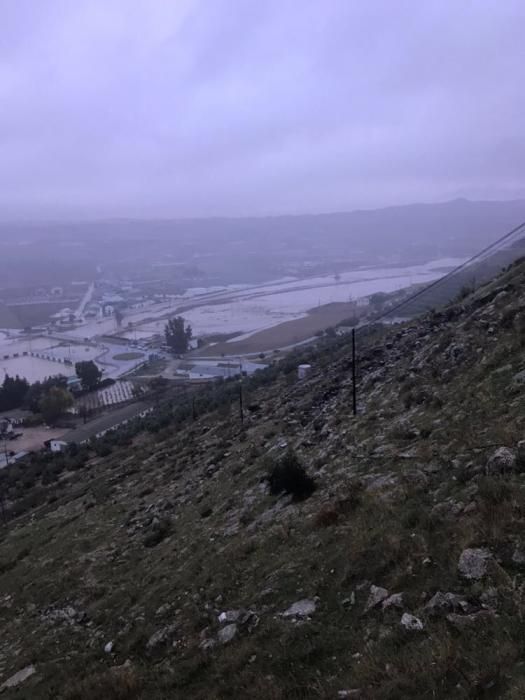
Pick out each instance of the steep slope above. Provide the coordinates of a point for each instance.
(169, 570)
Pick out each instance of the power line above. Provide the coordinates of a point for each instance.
(419, 293)
(450, 274)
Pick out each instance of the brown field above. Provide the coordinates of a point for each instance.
(287, 333)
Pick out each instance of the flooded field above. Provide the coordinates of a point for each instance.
(33, 368)
(245, 310)
(258, 308)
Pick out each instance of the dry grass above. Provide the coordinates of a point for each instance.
(120, 683)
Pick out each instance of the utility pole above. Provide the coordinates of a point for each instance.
(240, 392)
(3, 515)
(240, 403)
(354, 387)
(5, 451)
(2, 493)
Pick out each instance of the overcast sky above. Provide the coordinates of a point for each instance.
(231, 107)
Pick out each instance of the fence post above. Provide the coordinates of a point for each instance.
(354, 387)
(240, 402)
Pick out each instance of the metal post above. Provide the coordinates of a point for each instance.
(3, 514)
(5, 452)
(240, 403)
(354, 387)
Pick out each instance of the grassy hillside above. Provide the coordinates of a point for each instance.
(168, 568)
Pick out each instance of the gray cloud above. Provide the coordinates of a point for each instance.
(199, 107)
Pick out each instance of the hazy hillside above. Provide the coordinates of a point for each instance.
(168, 568)
(254, 249)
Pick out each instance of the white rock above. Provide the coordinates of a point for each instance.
(108, 647)
(226, 634)
(377, 595)
(518, 557)
(473, 563)
(161, 637)
(501, 461)
(230, 616)
(395, 601)
(445, 602)
(18, 677)
(411, 622)
(303, 608)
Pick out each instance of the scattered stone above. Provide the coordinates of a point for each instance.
(164, 609)
(226, 634)
(68, 615)
(18, 677)
(441, 603)
(207, 644)
(519, 378)
(160, 637)
(472, 507)
(349, 601)
(108, 647)
(393, 601)
(211, 469)
(518, 556)
(502, 461)
(490, 598)
(303, 608)
(158, 530)
(230, 616)
(411, 623)
(462, 622)
(520, 454)
(377, 595)
(473, 563)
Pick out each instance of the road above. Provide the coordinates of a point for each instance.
(85, 300)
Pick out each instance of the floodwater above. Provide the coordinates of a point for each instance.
(33, 368)
(241, 309)
(261, 307)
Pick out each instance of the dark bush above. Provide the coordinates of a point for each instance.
(327, 516)
(102, 449)
(289, 476)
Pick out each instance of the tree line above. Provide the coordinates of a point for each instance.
(50, 397)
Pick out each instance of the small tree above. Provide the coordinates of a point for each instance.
(13, 392)
(39, 389)
(177, 335)
(55, 403)
(88, 373)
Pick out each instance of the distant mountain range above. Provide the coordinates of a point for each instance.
(255, 249)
